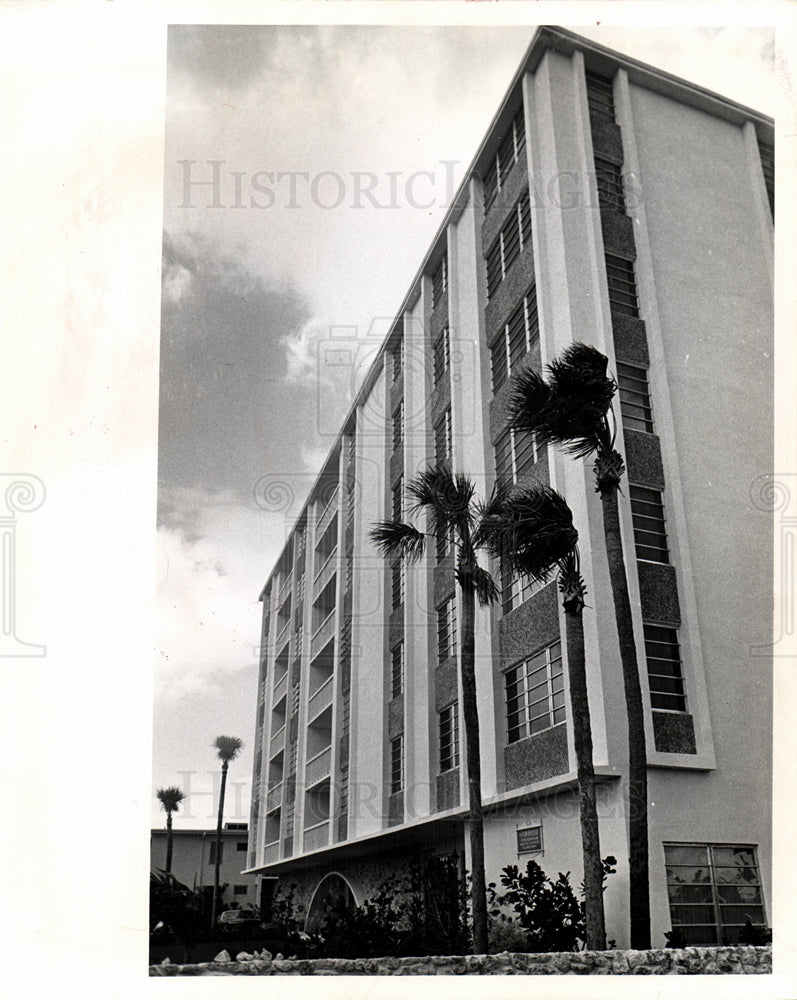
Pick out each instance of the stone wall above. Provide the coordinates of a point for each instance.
(744, 960)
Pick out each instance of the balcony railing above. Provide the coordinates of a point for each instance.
(322, 634)
(277, 740)
(319, 767)
(316, 836)
(320, 699)
(327, 514)
(280, 688)
(324, 575)
(274, 797)
(271, 852)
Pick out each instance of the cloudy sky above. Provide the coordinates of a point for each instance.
(306, 171)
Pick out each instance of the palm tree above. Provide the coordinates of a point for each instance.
(573, 409)
(532, 530)
(227, 749)
(170, 798)
(448, 500)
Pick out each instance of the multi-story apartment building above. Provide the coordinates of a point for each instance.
(614, 204)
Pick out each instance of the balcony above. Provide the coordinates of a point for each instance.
(320, 699)
(318, 767)
(322, 635)
(327, 514)
(271, 852)
(280, 688)
(277, 741)
(325, 573)
(274, 797)
(284, 589)
(316, 836)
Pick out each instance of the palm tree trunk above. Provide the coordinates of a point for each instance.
(582, 739)
(475, 820)
(218, 847)
(637, 752)
(168, 841)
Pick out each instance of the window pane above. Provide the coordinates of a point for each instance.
(690, 893)
(741, 857)
(686, 854)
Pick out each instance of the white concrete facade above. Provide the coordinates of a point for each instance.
(696, 234)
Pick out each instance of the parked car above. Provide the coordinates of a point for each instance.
(239, 923)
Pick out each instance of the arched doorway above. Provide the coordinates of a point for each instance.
(332, 893)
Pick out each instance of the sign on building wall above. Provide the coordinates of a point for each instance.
(529, 840)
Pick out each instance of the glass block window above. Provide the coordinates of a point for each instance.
(439, 281)
(600, 96)
(449, 737)
(397, 670)
(650, 534)
(508, 154)
(447, 630)
(510, 242)
(635, 406)
(515, 455)
(712, 890)
(609, 178)
(398, 426)
(442, 355)
(665, 674)
(622, 285)
(397, 585)
(519, 335)
(442, 439)
(397, 764)
(535, 698)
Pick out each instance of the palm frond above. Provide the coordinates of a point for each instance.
(529, 400)
(398, 538)
(482, 582)
(170, 798)
(227, 748)
(446, 498)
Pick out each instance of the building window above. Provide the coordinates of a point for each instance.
(650, 534)
(600, 96)
(609, 179)
(622, 285)
(766, 152)
(515, 455)
(241, 846)
(535, 698)
(634, 397)
(509, 244)
(439, 282)
(397, 584)
(665, 675)
(447, 630)
(442, 354)
(712, 890)
(398, 426)
(508, 154)
(397, 670)
(398, 499)
(397, 764)
(442, 439)
(240, 890)
(212, 855)
(396, 354)
(449, 738)
(519, 335)
(516, 589)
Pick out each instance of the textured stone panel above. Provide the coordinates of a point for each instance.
(445, 683)
(448, 790)
(511, 290)
(537, 758)
(443, 583)
(630, 339)
(439, 317)
(395, 716)
(530, 627)
(618, 233)
(643, 459)
(503, 203)
(395, 632)
(395, 809)
(606, 139)
(674, 733)
(658, 593)
(397, 461)
(441, 398)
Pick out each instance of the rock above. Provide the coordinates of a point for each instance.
(279, 957)
(223, 956)
(266, 955)
(166, 961)
(244, 956)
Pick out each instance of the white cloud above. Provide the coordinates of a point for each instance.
(177, 282)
